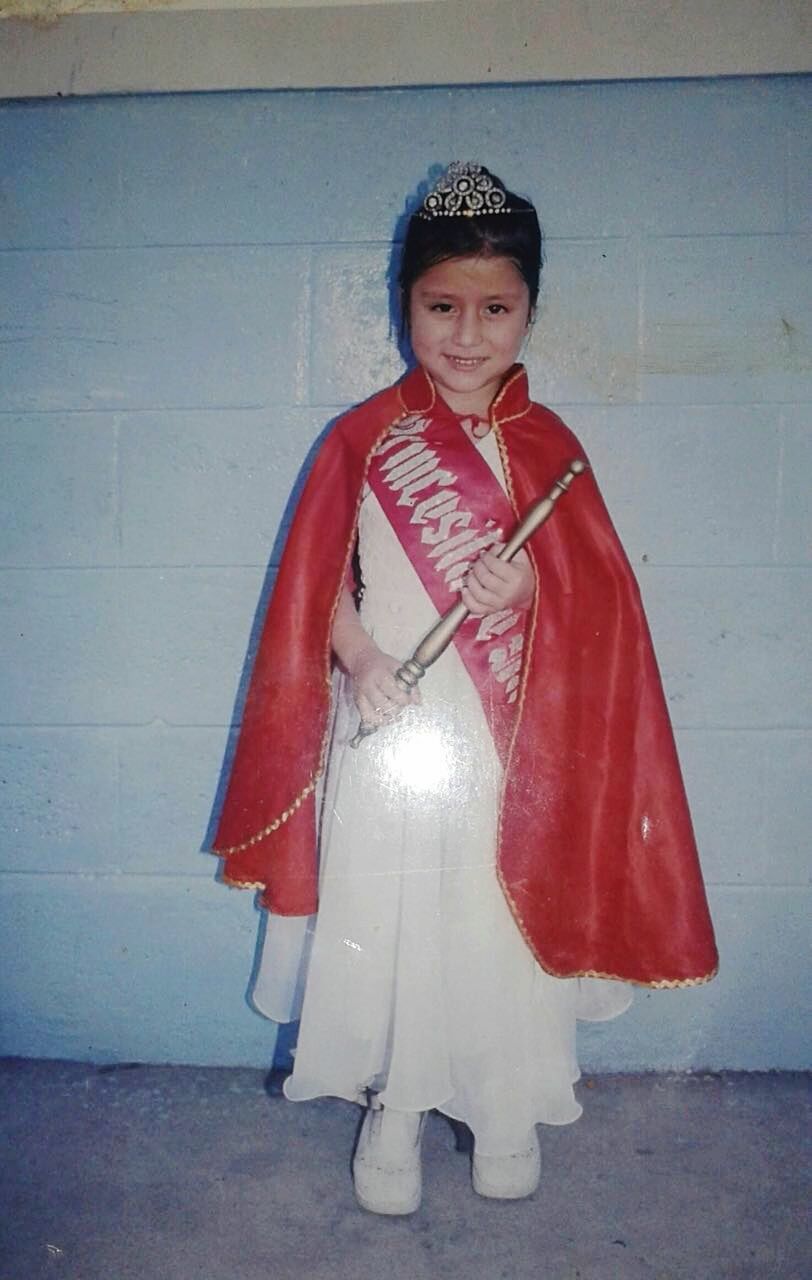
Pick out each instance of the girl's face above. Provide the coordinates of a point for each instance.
(467, 320)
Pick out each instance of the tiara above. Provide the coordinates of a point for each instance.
(463, 191)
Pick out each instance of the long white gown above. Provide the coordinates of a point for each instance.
(417, 983)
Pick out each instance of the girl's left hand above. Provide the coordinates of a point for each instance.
(492, 584)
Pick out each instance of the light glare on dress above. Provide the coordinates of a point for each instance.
(418, 758)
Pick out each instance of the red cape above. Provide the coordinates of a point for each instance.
(596, 856)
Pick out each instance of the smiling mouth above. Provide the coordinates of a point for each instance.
(466, 364)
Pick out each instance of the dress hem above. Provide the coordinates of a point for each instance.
(444, 1108)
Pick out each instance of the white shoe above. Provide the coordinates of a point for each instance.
(509, 1177)
(386, 1165)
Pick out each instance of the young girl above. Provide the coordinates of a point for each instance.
(511, 848)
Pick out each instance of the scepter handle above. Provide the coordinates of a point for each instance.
(540, 511)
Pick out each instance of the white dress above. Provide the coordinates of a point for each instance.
(416, 980)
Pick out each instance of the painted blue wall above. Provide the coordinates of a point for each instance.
(191, 287)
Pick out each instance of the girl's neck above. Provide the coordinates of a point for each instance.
(464, 407)
(474, 404)
(469, 406)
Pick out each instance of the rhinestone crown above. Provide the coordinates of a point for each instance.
(463, 191)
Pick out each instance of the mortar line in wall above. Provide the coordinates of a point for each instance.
(759, 886)
(787, 192)
(117, 515)
(108, 411)
(114, 567)
(118, 534)
(90, 873)
(741, 728)
(303, 371)
(780, 234)
(163, 410)
(739, 564)
(779, 487)
(450, 121)
(641, 316)
(118, 789)
(192, 246)
(682, 404)
(104, 726)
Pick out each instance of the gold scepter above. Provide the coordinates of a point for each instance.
(436, 641)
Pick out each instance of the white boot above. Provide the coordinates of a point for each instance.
(386, 1165)
(510, 1177)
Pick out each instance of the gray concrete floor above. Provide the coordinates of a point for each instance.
(174, 1173)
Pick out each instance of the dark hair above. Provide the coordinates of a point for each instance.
(515, 235)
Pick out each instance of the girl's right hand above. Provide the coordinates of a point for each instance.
(378, 695)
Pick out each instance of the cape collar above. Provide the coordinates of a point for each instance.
(418, 394)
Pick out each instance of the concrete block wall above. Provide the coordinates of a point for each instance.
(191, 287)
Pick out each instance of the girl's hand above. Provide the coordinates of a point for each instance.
(492, 584)
(378, 695)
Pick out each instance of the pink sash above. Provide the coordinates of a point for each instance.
(446, 506)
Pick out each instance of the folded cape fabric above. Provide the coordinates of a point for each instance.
(596, 853)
